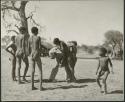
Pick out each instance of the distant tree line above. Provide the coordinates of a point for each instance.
(113, 43)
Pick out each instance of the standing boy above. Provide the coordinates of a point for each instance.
(21, 53)
(12, 57)
(72, 56)
(103, 69)
(34, 47)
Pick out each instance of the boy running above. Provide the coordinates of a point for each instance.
(103, 69)
(13, 57)
(21, 53)
(34, 47)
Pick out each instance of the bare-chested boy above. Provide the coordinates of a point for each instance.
(103, 69)
(72, 59)
(34, 47)
(21, 53)
(12, 51)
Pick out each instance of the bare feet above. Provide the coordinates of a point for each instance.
(42, 89)
(24, 79)
(34, 88)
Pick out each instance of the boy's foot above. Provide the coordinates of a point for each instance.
(69, 80)
(105, 92)
(24, 79)
(20, 82)
(52, 80)
(34, 88)
(102, 91)
(42, 89)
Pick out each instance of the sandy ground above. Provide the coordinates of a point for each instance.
(85, 89)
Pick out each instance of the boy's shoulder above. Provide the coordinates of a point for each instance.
(104, 58)
(19, 36)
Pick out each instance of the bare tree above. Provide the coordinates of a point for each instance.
(16, 10)
(7, 7)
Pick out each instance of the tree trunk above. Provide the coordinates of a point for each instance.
(22, 15)
(24, 23)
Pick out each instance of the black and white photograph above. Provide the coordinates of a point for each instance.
(62, 50)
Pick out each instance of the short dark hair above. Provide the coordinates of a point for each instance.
(75, 43)
(13, 37)
(34, 30)
(22, 29)
(103, 51)
(56, 41)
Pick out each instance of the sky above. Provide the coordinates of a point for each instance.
(85, 21)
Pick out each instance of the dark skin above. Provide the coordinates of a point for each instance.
(64, 49)
(103, 72)
(35, 46)
(72, 59)
(20, 43)
(13, 58)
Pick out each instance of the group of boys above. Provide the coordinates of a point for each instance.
(22, 46)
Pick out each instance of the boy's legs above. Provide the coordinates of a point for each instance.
(19, 67)
(39, 63)
(54, 72)
(14, 68)
(71, 66)
(98, 81)
(104, 81)
(26, 61)
(32, 73)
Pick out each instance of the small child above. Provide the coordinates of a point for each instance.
(13, 57)
(103, 69)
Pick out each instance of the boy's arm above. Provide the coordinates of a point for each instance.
(23, 45)
(40, 46)
(61, 47)
(7, 48)
(98, 67)
(111, 65)
(29, 46)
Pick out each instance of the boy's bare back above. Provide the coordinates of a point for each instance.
(35, 43)
(19, 42)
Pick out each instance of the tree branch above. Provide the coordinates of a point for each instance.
(13, 4)
(13, 31)
(16, 18)
(4, 7)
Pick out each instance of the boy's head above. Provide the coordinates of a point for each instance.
(13, 38)
(74, 42)
(102, 51)
(34, 30)
(22, 30)
(56, 41)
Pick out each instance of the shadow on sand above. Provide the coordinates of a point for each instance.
(116, 92)
(66, 87)
(77, 81)
(85, 80)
